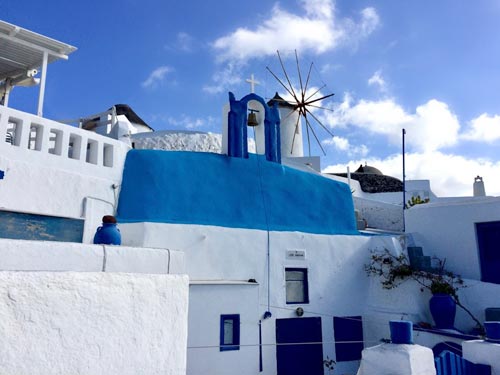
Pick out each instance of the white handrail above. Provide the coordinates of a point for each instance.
(24, 131)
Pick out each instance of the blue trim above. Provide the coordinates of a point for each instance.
(211, 189)
(235, 344)
(238, 133)
(305, 282)
(2, 174)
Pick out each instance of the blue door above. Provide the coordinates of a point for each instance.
(488, 241)
(299, 349)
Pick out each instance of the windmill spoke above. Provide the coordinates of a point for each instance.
(287, 78)
(319, 122)
(318, 99)
(287, 115)
(319, 107)
(302, 92)
(308, 137)
(314, 93)
(308, 76)
(295, 131)
(308, 124)
(304, 103)
(279, 80)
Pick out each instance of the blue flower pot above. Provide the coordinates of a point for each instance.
(108, 234)
(401, 331)
(492, 331)
(443, 309)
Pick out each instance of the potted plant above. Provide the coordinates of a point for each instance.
(395, 269)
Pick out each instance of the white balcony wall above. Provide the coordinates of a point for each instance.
(54, 169)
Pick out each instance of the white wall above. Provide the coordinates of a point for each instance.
(92, 323)
(19, 255)
(207, 302)
(338, 285)
(380, 215)
(41, 180)
(409, 302)
(447, 230)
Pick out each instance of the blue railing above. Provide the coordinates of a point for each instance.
(448, 363)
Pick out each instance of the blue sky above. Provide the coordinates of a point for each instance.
(432, 67)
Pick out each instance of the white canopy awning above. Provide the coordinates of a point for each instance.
(22, 50)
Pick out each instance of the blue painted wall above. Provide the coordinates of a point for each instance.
(20, 226)
(213, 189)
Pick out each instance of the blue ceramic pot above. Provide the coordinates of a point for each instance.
(401, 331)
(492, 331)
(443, 309)
(108, 234)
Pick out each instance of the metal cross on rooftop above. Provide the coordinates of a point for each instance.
(252, 83)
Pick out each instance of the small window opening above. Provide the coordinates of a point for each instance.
(296, 285)
(229, 332)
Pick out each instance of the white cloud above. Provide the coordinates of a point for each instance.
(184, 42)
(318, 31)
(369, 21)
(184, 122)
(484, 128)
(450, 175)
(225, 79)
(157, 76)
(343, 144)
(328, 68)
(377, 80)
(432, 126)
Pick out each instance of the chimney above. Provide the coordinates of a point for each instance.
(478, 187)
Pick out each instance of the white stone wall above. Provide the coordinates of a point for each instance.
(483, 352)
(380, 215)
(447, 230)
(92, 323)
(338, 285)
(397, 359)
(207, 302)
(19, 255)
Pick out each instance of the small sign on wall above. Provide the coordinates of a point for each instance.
(296, 254)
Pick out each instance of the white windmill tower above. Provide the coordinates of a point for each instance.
(298, 112)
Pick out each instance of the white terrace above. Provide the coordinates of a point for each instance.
(50, 168)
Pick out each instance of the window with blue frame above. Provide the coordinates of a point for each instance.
(229, 332)
(296, 285)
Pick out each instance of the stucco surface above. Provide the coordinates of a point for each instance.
(338, 285)
(447, 230)
(20, 255)
(204, 355)
(92, 323)
(388, 359)
(486, 353)
(210, 189)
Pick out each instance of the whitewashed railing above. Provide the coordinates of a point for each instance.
(24, 133)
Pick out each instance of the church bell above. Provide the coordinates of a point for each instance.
(252, 119)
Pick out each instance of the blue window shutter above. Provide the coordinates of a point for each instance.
(348, 333)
